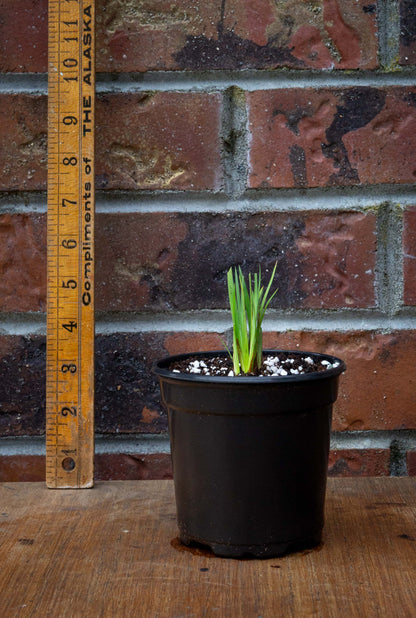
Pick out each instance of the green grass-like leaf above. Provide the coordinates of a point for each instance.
(248, 304)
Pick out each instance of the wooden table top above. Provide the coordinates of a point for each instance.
(113, 551)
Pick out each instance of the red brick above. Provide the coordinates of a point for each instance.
(356, 462)
(137, 253)
(325, 260)
(132, 467)
(22, 262)
(184, 343)
(409, 256)
(334, 33)
(159, 141)
(375, 393)
(24, 36)
(411, 463)
(324, 137)
(22, 468)
(377, 390)
(107, 467)
(23, 142)
(144, 36)
(407, 32)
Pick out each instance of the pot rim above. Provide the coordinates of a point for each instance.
(160, 368)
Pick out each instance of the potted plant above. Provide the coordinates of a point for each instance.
(250, 431)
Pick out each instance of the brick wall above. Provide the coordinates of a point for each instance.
(235, 131)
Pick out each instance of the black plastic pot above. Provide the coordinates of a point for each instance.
(250, 457)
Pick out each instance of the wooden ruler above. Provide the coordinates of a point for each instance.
(70, 308)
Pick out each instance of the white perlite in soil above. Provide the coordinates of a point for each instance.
(284, 364)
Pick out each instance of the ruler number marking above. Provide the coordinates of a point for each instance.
(67, 202)
(68, 120)
(70, 326)
(69, 368)
(69, 410)
(70, 160)
(70, 244)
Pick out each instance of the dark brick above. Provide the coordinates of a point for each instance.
(145, 36)
(356, 462)
(324, 260)
(377, 390)
(131, 467)
(127, 394)
(407, 32)
(23, 142)
(332, 137)
(107, 467)
(411, 463)
(22, 468)
(22, 385)
(409, 256)
(24, 36)
(22, 262)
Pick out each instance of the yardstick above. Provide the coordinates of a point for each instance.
(70, 262)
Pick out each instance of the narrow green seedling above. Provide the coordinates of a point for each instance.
(248, 304)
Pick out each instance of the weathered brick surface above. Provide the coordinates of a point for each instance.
(127, 395)
(185, 343)
(22, 385)
(409, 256)
(107, 467)
(411, 463)
(264, 34)
(195, 35)
(145, 141)
(159, 141)
(137, 466)
(22, 468)
(23, 142)
(24, 36)
(324, 260)
(356, 462)
(377, 390)
(131, 467)
(407, 32)
(22, 262)
(320, 137)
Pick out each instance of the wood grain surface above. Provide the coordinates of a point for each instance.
(113, 551)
